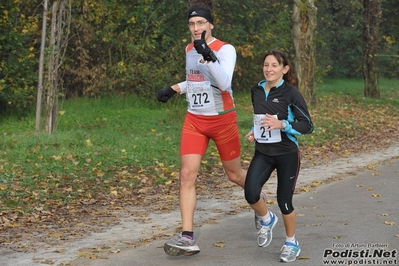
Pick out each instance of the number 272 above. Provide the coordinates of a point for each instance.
(198, 98)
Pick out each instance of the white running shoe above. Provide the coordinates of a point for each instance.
(290, 252)
(181, 245)
(265, 233)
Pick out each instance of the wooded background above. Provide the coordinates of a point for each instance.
(114, 46)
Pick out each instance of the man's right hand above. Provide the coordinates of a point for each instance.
(165, 94)
(203, 49)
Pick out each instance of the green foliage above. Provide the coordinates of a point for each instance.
(340, 38)
(257, 28)
(389, 48)
(144, 43)
(125, 47)
(138, 46)
(18, 61)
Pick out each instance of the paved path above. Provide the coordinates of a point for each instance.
(355, 208)
(356, 215)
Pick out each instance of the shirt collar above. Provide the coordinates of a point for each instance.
(263, 83)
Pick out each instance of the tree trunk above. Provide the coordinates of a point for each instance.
(59, 28)
(52, 74)
(372, 17)
(303, 31)
(41, 67)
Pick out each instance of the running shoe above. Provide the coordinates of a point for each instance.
(257, 218)
(265, 233)
(290, 252)
(181, 246)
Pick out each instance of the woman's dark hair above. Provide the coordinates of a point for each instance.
(290, 76)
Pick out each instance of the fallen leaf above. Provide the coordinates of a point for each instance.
(81, 254)
(302, 258)
(89, 143)
(219, 244)
(48, 261)
(389, 223)
(16, 187)
(376, 195)
(316, 183)
(61, 251)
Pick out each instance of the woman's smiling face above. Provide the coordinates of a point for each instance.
(273, 70)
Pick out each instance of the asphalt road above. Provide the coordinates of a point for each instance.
(353, 221)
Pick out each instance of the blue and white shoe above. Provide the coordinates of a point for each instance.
(265, 234)
(290, 252)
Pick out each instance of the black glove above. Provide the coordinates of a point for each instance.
(165, 94)
(203, 49)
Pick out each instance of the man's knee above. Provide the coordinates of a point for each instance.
(233, 177)
(237, 178)
(187, 178)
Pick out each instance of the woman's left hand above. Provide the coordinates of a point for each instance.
(270, 122)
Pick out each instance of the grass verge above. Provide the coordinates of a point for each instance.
(115, 145)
